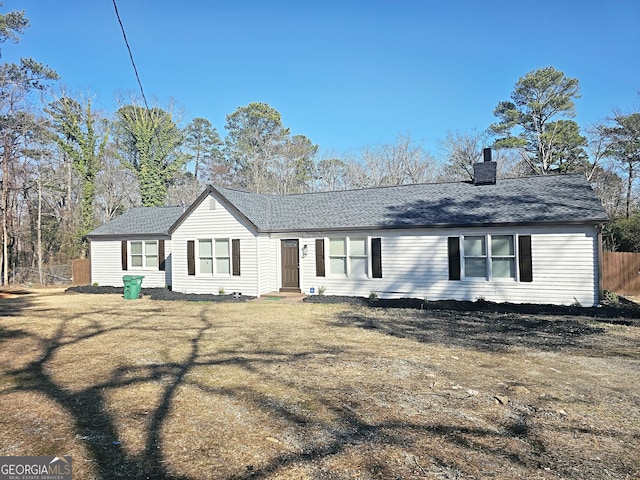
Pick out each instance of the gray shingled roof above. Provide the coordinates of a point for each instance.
(529, 200)
(141, 221)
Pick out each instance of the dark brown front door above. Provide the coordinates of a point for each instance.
(290, 265)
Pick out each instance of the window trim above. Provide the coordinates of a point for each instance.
(522, 258)
(129, 255)
(368, 256)
(233, 258)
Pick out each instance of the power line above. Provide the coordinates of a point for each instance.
(124, 35)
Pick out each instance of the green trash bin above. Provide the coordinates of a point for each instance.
(132, 286)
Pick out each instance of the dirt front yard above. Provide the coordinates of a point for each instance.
(197, 390)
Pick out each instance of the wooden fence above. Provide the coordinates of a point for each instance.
(81, 271)
(621, 272)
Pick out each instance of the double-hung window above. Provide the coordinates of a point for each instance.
(485, 256)
(350, 256)
(143, 254)
(214, 256)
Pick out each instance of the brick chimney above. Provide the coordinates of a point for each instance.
(484, 173)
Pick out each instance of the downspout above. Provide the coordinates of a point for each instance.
(599, 228)
(258, 265)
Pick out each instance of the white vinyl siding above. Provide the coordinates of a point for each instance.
(415, 264)
(106, 269)
(221, 224)
(267, 261)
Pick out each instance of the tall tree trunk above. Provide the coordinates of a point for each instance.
(629, 188)
(5, 206)
(39, 230)
(197, 165)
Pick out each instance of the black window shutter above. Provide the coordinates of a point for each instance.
(235, 256)
(191, 257)
(454, 258)
(319, 257)
(123, 254)
(525, 262)
(376, 258)
(161, 263)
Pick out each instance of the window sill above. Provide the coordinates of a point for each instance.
(348, 277)
(489, 280)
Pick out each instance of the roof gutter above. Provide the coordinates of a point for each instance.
(594, 222)
(122, 236)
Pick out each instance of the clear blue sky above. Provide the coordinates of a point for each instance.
(347, 74)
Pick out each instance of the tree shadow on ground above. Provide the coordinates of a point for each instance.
(12, 302)
(92, 419)
(96, 425)
(485, 331)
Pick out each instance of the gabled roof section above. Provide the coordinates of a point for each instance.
(252, 203)
(561, 199)
(140, 221)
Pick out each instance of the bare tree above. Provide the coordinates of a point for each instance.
(116, 189)
(462, 150)
(401, 163)
(331, 173)
(293, 170)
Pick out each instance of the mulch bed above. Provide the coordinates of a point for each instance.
(623, 312)
(162, 294)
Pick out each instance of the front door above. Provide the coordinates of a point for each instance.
(290, 266)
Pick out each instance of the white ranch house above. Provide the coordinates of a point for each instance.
(523, 240)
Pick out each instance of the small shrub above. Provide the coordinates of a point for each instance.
(95, 284)
(321, 290)
(373, 295)
(576, 303)
(221, 291)
(611, 298)
(480, 299)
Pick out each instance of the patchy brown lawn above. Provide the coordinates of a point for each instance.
(186, 390)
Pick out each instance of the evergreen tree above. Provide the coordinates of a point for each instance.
(149, 143)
